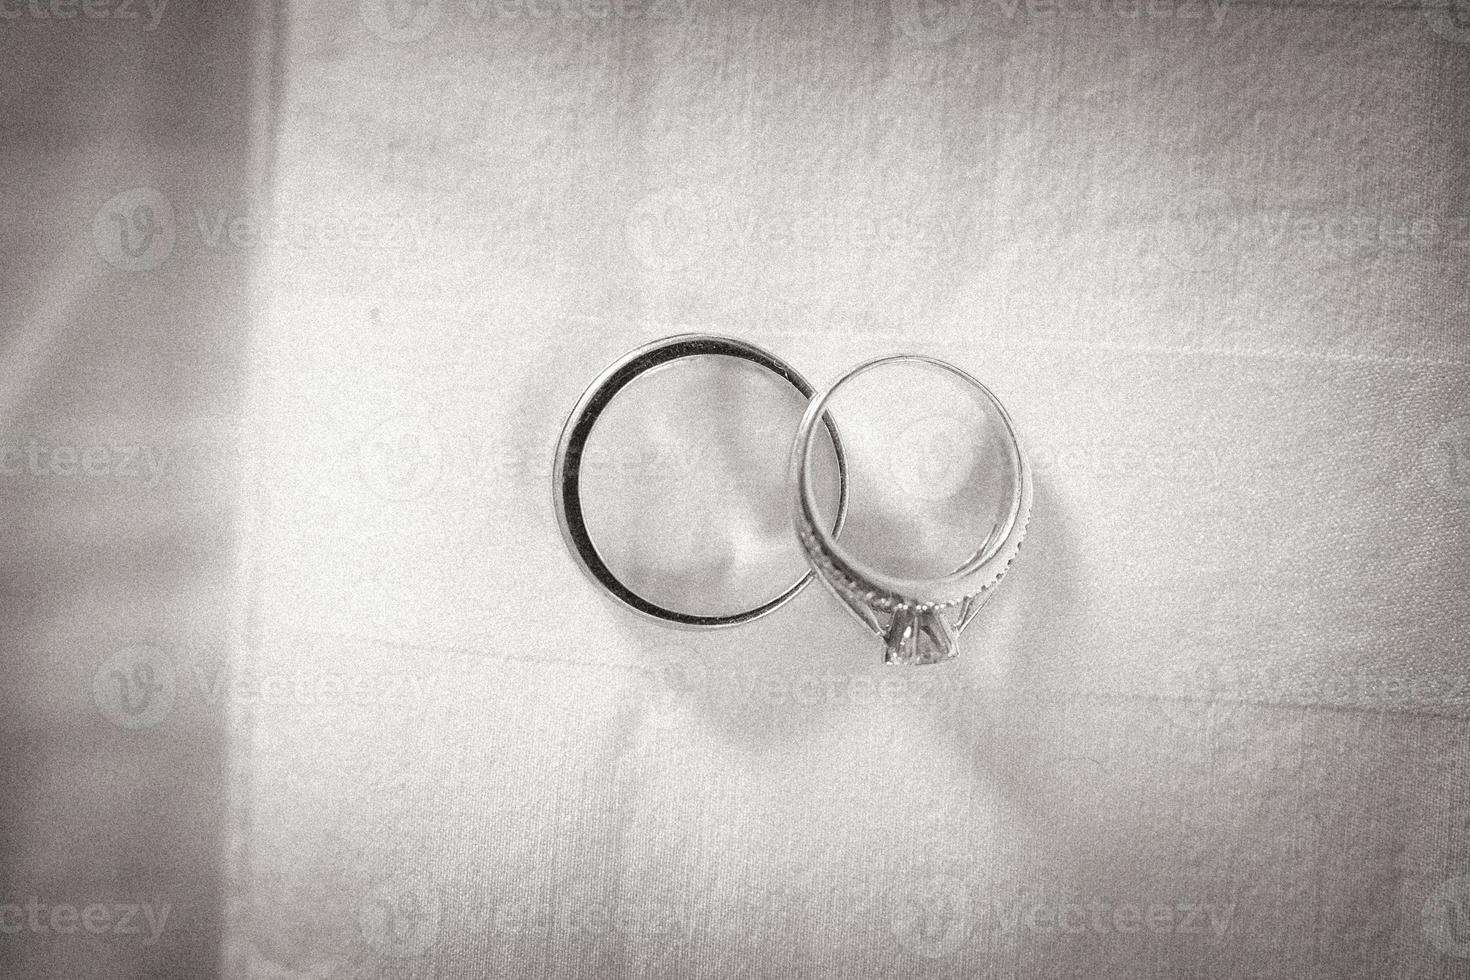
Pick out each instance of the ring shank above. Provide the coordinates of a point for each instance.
(871, 586)
(567, 482)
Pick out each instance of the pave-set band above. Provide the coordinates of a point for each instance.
(919, 620)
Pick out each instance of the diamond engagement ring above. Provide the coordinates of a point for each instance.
(916, 610)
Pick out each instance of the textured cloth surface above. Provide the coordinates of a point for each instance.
(123, 365)
(1212, 258)
(1214, 723)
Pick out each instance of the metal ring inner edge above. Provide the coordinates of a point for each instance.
(981, 566)
(566, 479)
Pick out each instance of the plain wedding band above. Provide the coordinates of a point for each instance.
(566, 472)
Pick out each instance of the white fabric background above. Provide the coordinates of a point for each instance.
(1217, 276)
(1216, 271)
(108, 359)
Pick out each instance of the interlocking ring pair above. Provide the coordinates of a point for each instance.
(918, 619)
